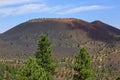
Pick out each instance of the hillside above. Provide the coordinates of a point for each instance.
(67, 36)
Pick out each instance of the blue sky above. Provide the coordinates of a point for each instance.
(14, 12)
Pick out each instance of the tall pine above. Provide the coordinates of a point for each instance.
(83, 66)
(43, 55)
(40, 68)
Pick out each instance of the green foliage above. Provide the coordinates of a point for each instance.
(11, 72)
(43, 55)
(2, 68)
(32, 71)
(83, 66)
(7, 71)
(42, 67)
(118, 78)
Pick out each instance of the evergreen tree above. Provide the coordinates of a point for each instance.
(83, 66)
(43, 55)
(42, 67)
(32, 71)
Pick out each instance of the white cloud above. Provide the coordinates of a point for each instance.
(13, 2)
(82, 8)
(27, 6)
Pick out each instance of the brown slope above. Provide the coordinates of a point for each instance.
(105, 27)
(67, 34)
(60, 24)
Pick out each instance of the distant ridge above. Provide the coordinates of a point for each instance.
(105, 26)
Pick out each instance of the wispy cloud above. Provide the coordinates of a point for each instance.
(14, 2)
(28, 8)
(82, 8)
(11, 7)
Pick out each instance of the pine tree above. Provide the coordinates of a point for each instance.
(83, 66)
(43, 55)
(42, 67)
(32, 71)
